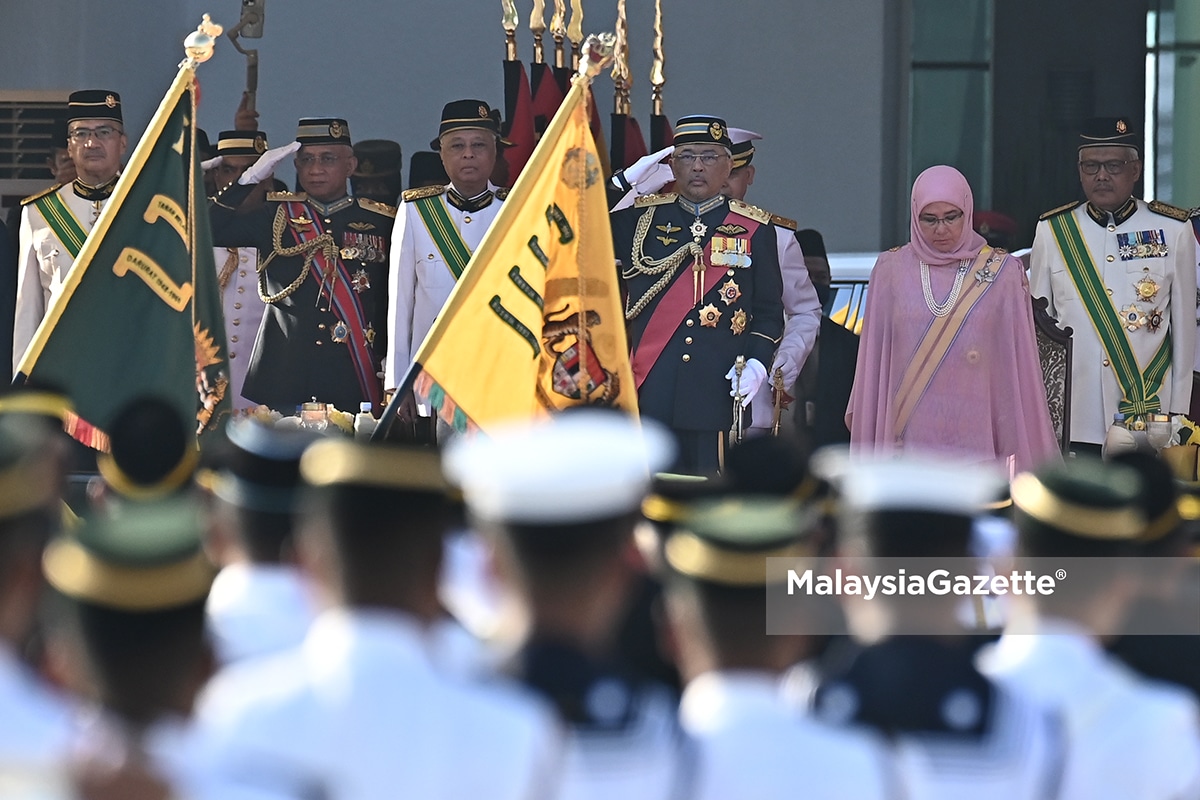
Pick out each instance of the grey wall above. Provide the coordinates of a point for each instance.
(812, 75)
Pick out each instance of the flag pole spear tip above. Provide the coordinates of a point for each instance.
(537, 24)
(596, 54)
(620, 70)
(509, 21)
(575, 32)
(558, 30)
(657, 76)
(199, 43)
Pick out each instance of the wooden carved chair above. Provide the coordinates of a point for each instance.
(1054, 351)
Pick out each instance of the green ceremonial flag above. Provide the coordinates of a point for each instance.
(140, 311)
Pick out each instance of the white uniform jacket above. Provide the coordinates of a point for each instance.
(237, 276)
(1127, 737)
(43, 263)
(359, 712)
(419, 280)
(1147, 262)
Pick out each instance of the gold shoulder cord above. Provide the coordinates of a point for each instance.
(644, 265)
(308, 249)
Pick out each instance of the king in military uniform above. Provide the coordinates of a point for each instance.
(322, 274)
(55, 223)
(703, 287)
(1122, 273)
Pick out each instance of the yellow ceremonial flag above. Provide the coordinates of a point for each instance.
(535, 323)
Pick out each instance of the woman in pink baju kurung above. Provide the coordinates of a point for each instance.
(948, 362)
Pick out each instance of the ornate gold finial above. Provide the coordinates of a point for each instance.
(537, 24)
(595, 54)
(199, 43)
(620, 70)
(575, 32)
(657, 77)
(558, 29)
(509, 21)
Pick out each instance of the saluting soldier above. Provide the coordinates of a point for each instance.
(323, 274)
(237, 267)
(56, 222)
(437, 229)
(1122, 273)
(703, 287)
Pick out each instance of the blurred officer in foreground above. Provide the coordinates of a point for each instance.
(750, 743)
(561, 496)
(359, 711)
(1127, 737)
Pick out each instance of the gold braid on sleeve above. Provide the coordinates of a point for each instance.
(324, 243)
(665, 267)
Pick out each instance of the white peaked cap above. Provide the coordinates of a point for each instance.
(741, 135)
(574, 467)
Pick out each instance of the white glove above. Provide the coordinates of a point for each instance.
(265, 166)
(658, 177)
(213, 162)
(644, 167)
(785, 362)
(753, 376)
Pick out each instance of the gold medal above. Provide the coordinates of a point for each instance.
(730, 292)
(709, 316)
(1132, 318)
(738, 323)
(1146, 288)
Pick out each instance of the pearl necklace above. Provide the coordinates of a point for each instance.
(941, 310)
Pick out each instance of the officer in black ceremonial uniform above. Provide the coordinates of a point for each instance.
(701, 277)
(322, 272)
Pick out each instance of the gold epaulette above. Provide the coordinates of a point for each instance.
(41, 194)
(422, 192)
(655, 199)
(753, 212)
(377, 207)
(287, 197)
(1168, 210)
(893, 249)
(502, 194)
(784, 222)
(1054, 212)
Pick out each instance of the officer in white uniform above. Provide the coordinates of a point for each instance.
(751, 745)
(359, 709)
(55, 223)
(951, 732)
(566, 548)
(1141, 261)
(237, 267)
(1127, 737)
(428, 255)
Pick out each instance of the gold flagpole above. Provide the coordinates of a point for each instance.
(558, 29)
(620, 69)
(509, 21)
(537, 24)
(575, 33)
(657, 77)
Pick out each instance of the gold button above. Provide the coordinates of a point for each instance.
(691, 322)
(237, 305)
(729, 273)
(1104, 362)
(232, 355)
(467, 218)
(686, 357)
(243, 259)
(233, 338)
(241, 290)
(688, 340)
(430, 256)
(327, 220)
(1108, 258)
(321, 326)
(319, 341)
(237, 322)
(1109, 292)
(1112, 227)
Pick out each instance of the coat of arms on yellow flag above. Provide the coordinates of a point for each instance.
(535, 323)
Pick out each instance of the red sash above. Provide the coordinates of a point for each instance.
(676, 304)
(345, 303)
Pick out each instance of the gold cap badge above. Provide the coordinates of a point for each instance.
(110, 101)
(483, 112)
(714, 130)
(1121, 126)
(335, 130)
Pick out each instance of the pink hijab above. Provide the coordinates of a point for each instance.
(942, 184)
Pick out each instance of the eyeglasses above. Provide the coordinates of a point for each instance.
(1111, 167)
(707, 159)
(930, 221)
(102, 134)
(325, 160)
